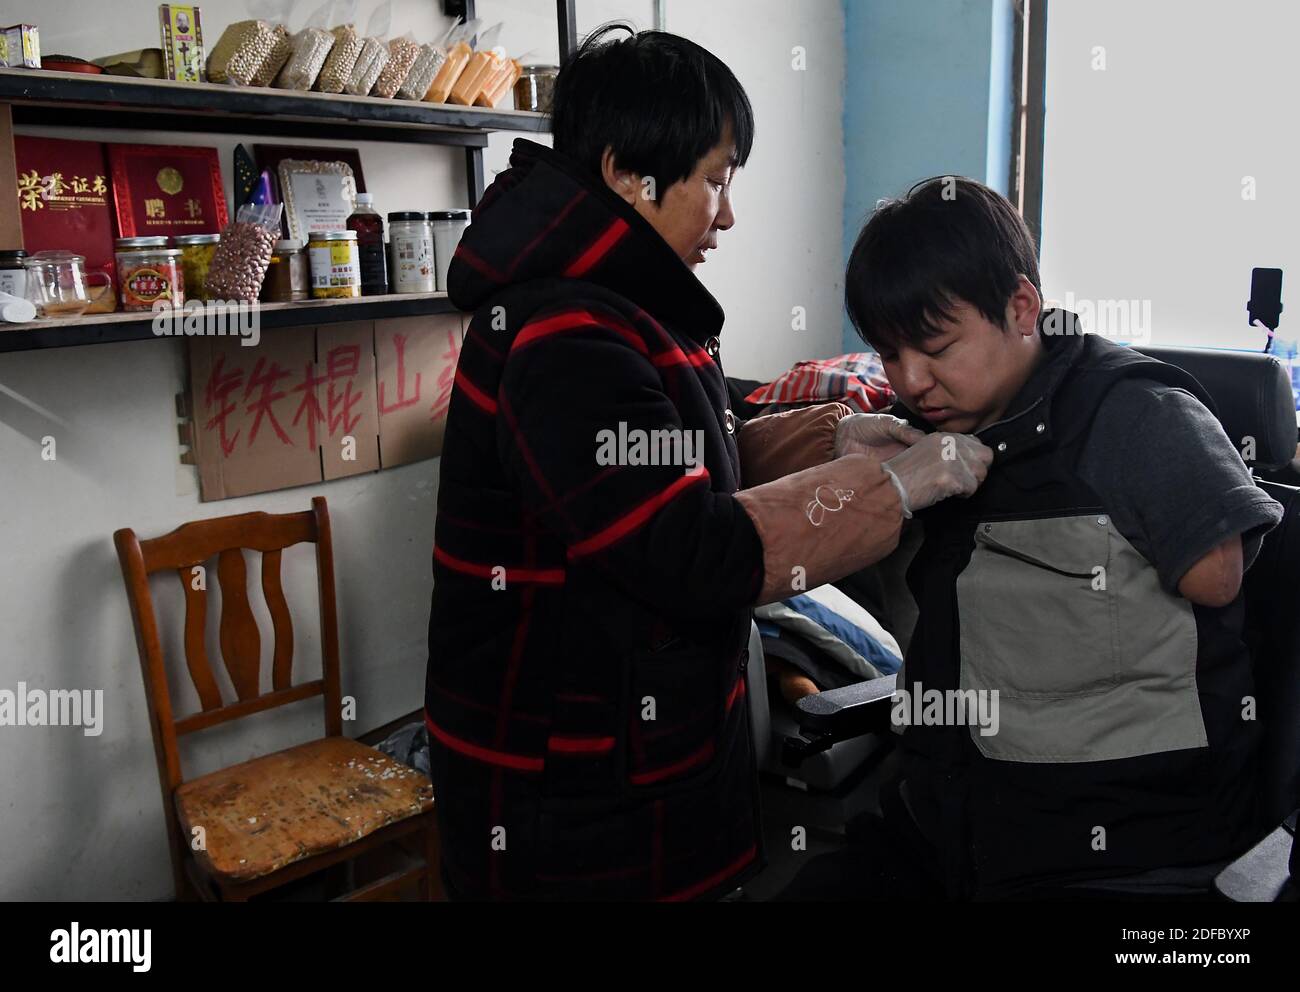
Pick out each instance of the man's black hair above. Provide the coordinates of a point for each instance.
(659, 101)
(949, 240)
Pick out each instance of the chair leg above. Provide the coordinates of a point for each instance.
(433, 861)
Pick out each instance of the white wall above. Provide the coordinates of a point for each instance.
(80, 816)
(1156, 113)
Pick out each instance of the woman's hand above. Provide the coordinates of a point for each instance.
(875, 434)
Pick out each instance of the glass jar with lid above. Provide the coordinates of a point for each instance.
(149, 272)
(288, 278)
(196, 255)
(535, 88)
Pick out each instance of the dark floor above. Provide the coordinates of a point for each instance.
(822, 815)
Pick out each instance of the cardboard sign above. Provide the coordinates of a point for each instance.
(250, 434)
(345, 356)
(312, 404)
(417, 363)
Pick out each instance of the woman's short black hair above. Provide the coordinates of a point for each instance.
(659, 101)
(948, 240)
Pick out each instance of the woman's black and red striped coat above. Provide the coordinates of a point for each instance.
(585, 698)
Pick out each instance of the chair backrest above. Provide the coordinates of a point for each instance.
(1254, 400)
(185, 551)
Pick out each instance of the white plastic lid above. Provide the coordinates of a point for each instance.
(365, 199)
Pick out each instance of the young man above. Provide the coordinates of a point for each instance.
(1093, 583)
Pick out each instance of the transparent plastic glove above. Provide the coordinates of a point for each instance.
(938, 466)
(876, 434)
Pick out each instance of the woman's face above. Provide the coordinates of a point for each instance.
(690, 213)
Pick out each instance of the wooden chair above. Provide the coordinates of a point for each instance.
(277, 818)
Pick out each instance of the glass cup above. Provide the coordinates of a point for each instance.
(56, 283)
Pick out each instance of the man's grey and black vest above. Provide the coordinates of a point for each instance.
(1120, 744)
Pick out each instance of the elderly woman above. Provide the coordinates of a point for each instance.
(604, 523)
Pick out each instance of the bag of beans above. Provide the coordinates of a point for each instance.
(373, 57)
(337, 70)
(240, 52)
(250, 52)
(310, 48)
(280, 52)
(402, 53)
(244, 252)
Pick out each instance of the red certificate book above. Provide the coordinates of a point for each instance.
(166, 190)
(63, 200)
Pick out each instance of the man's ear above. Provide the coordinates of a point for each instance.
(624, 183)
(1024, 307)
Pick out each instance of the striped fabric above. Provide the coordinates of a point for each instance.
(856, 379)
(589, 621)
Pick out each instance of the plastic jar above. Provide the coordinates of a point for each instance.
(410, 240)
(335, 265)
(288, 277)
(448, 226)
(196, 256)
(149, 271)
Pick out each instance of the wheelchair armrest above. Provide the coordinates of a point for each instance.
(825, 718)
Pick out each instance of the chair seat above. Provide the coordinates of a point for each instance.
(264, 814)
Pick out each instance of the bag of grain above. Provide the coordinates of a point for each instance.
(337, 70)
(311, 47)
(373, 57)
(402, 53)
(240, 51)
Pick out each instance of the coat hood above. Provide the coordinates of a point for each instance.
(544, 218)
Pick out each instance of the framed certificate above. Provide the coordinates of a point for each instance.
(167, 190)
(269, 157)
(318, 196)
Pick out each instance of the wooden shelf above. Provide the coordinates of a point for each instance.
(80, 100)
(114, 327)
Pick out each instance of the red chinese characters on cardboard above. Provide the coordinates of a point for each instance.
(308, 405)
(417, 359)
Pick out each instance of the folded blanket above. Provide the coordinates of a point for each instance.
(857, 380)
(841, 629)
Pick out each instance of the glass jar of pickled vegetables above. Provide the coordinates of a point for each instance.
(196, 255)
